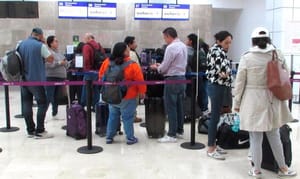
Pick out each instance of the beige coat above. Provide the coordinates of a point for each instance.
(259, 109)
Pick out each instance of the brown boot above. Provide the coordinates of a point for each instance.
(137, 119)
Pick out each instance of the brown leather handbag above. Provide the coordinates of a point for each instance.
(278, 80)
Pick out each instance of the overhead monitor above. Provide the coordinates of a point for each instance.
(72, 9)
(144, 11)
(176, 12)
(102, 10)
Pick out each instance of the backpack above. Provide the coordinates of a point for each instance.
(11, 66)
(113, 94)
(99, 57)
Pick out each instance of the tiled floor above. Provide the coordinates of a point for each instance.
(57, 158)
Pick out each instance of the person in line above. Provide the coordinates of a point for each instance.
(75, 91)
(173, 67)
(127, 107)
(130, 41)
(191, 42)
(260, 111)
(219, 78)
(56, 71)
(34, 54)
(202, 87)
(88, 65)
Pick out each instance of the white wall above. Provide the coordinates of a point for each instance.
(240, 23)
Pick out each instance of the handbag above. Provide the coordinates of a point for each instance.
(61, 95)
(278, 80)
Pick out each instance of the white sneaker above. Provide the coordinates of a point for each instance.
(43, 135)
(179, 136)
(254, 173)
(220, 150)
(167, 139)
(205, 113)
(216, 155)
(288, 173)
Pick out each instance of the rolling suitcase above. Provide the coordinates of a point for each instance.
(102, 114)
(268, 161)
(187, 108)
(154, 90)
(155, 117)
(76, 121)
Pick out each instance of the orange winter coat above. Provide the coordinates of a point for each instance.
(132, 72)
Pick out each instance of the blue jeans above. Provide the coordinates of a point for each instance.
(95, 91)
(27, 94)
(216, 94)
(50, 92)
(126, 109)
(173, 100)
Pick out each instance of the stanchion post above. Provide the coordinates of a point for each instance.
(20, 115)
(89, 89)
(8, 128)
(89, 149)
(192, 144)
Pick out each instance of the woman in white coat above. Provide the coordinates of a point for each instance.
(259, 110)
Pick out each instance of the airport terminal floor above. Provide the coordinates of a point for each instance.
(57, 158)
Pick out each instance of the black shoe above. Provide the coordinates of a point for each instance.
(0, 149)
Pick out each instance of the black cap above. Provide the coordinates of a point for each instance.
(37, 30)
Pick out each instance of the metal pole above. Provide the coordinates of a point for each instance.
(89, 112)
(193, 145)
(8, 128)
(89, 149)
(194, 82)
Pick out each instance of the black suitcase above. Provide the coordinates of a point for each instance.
(102, 113)
(154, 90)
(155, 117)
(187, 108)
(268, 161)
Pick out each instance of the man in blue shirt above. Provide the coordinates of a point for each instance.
(34, 54)
(173, 67)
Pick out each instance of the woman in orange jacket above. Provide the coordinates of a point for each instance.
(128, 105)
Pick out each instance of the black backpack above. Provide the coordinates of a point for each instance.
(114, 93)
(11, 66)
(99, 57)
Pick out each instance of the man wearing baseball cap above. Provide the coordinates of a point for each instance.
(34, 54)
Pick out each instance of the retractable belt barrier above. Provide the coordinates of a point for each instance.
(89, 84)
(89, 149)
(74, 83)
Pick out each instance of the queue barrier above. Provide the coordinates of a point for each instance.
(90, 149)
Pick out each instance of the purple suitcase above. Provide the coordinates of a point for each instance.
(76, 122)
